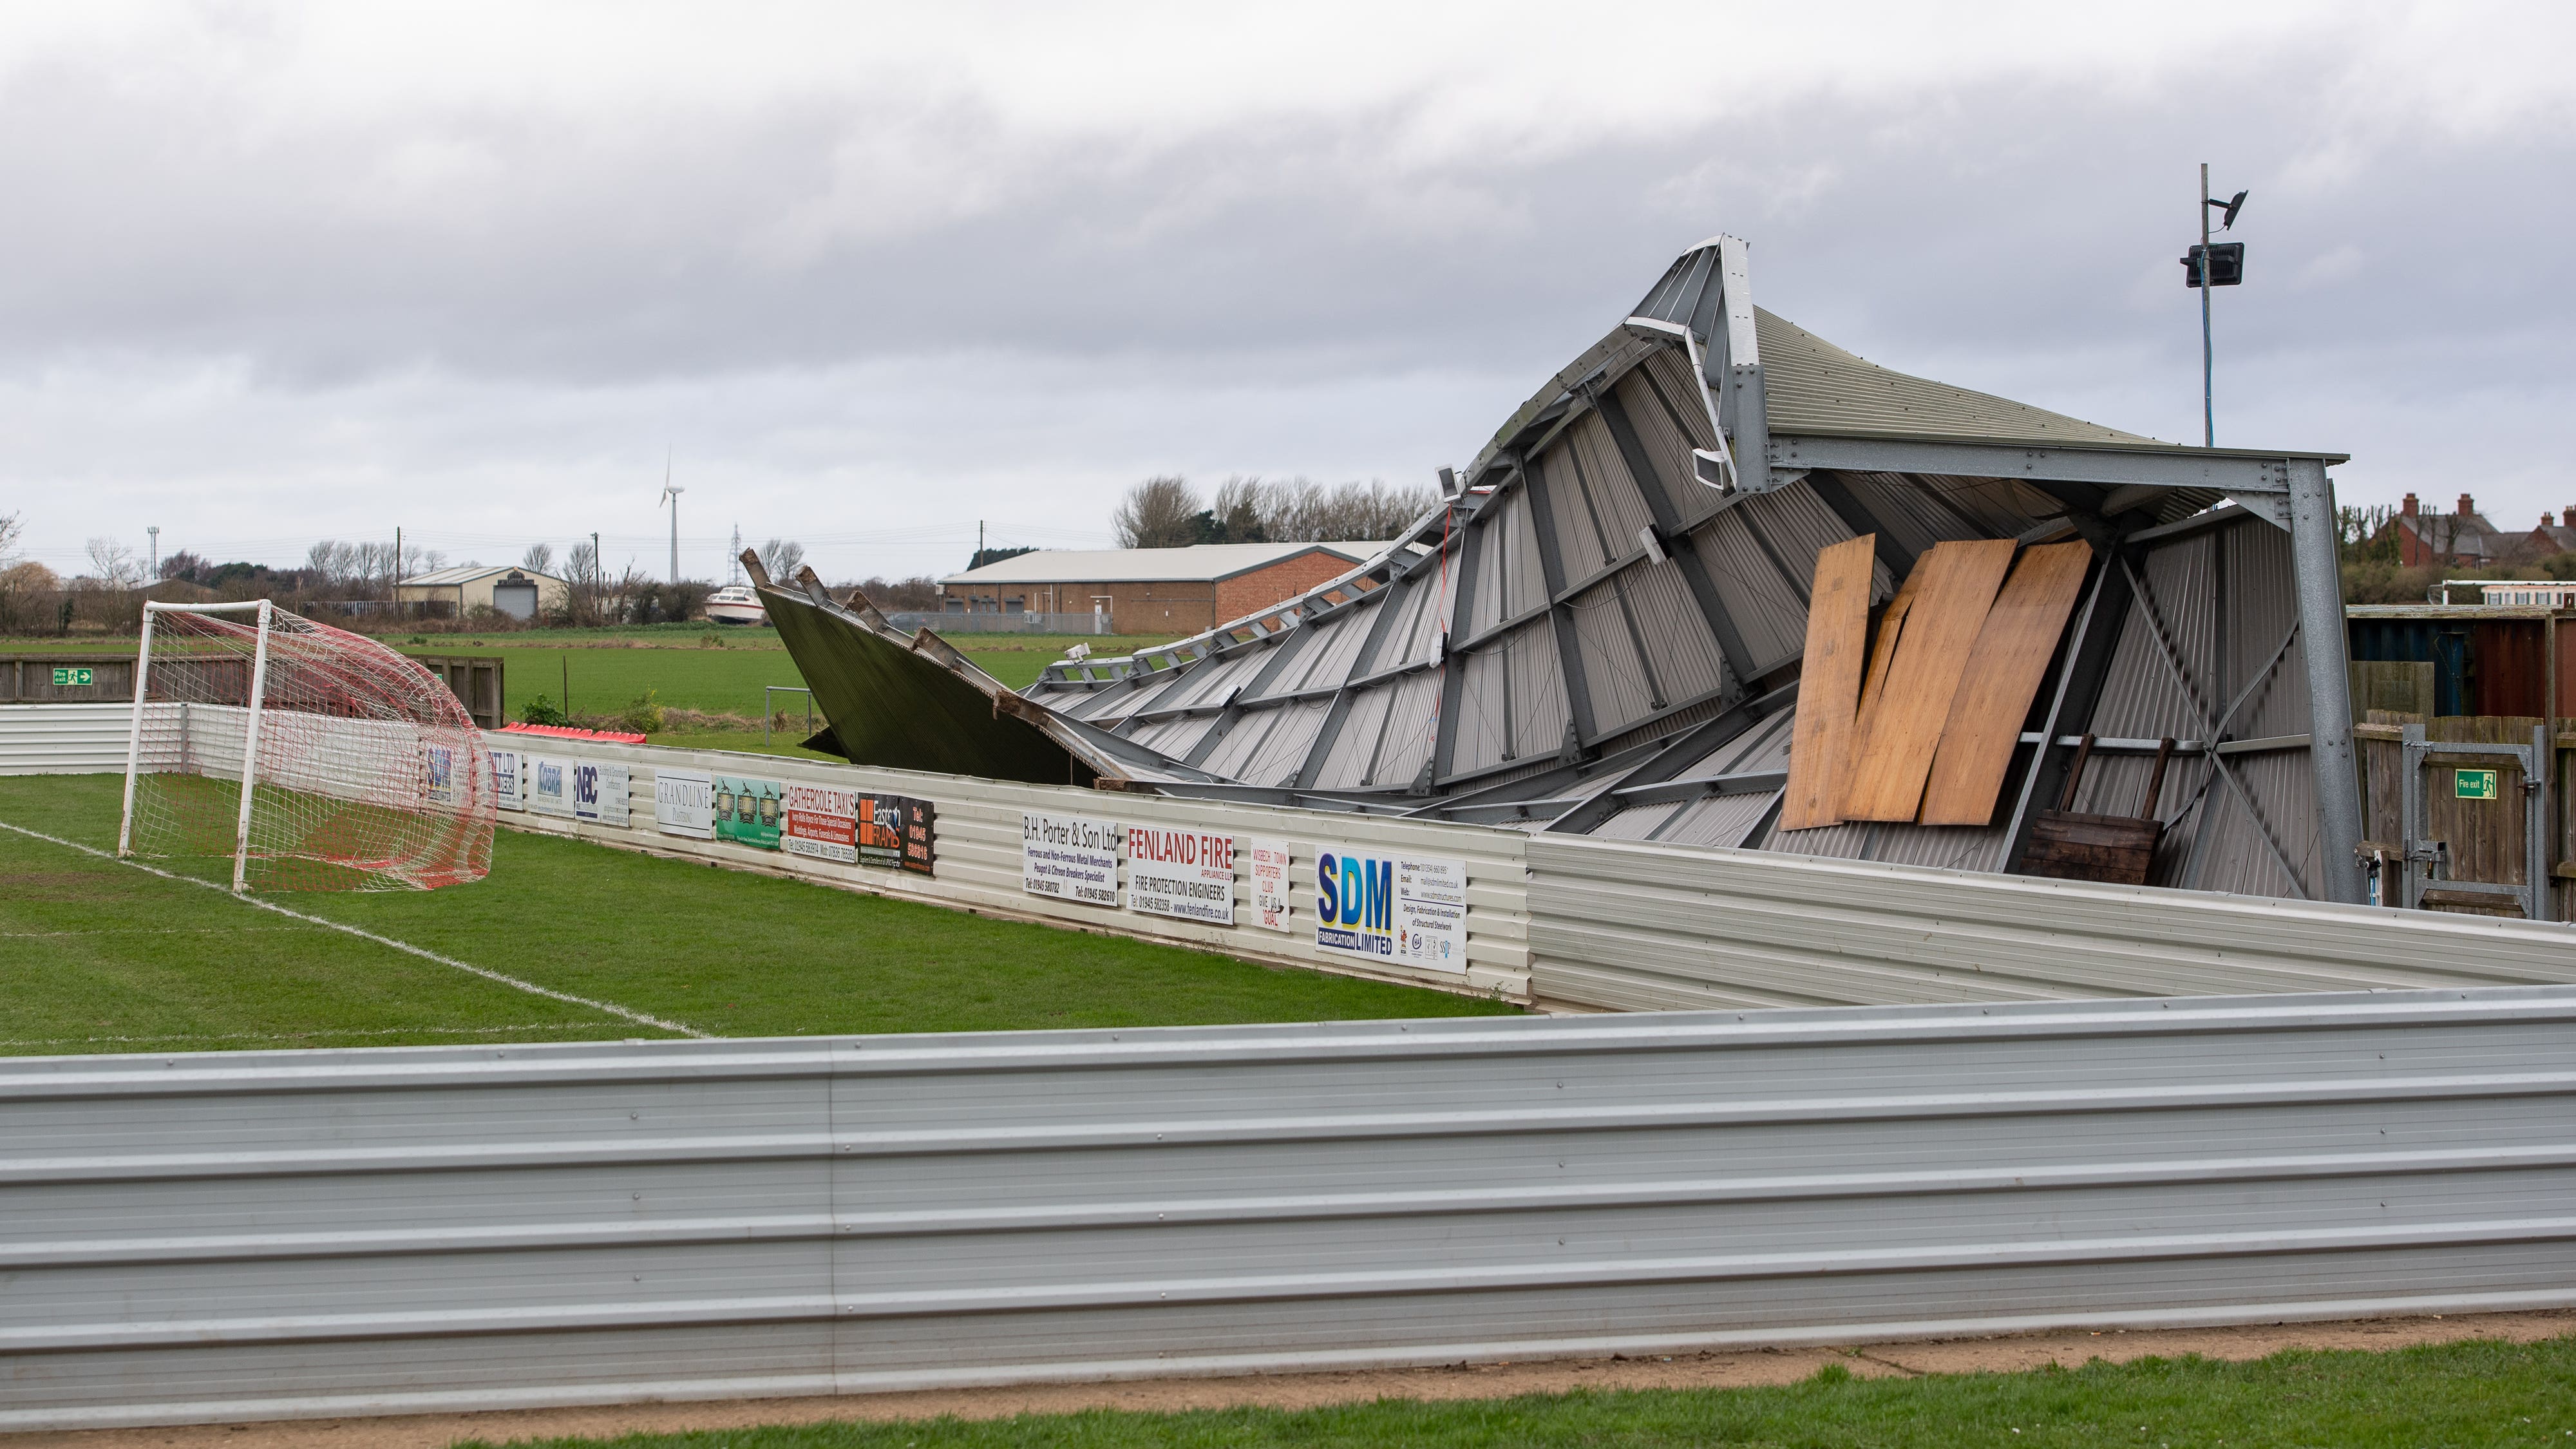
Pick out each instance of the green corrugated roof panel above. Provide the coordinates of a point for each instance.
(1813, 386)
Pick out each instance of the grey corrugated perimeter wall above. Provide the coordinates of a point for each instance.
(1621, 926)
(351, 1232)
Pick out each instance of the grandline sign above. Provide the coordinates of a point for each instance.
(1391, 908)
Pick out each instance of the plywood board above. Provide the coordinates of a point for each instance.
(1829, 683)
(1900, 729)
(1891, 627)
(2005, 670)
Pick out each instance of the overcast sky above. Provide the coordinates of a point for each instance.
(273, 273)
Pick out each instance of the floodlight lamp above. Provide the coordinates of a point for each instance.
(2228, 208)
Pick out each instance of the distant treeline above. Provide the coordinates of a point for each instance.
(1167, 512)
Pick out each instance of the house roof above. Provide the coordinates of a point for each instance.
(1200, 563)
(472, 573)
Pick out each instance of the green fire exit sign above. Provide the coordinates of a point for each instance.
(2474, 784)
(64, 678)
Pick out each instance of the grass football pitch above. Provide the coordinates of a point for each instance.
(2468, 1395)
(566, 941)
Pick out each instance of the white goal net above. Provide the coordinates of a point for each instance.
(308, 757)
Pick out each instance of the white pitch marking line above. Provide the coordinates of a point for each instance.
(301, 1035)
(485, 972)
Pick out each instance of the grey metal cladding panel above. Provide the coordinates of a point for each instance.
(1414, 637)
(1720, 820)
(1829, 842)
(1583, 547)
(1615, 495)
(1798, 526)
(1617, 681)
(1810, 385)
(1539, 708)
(1637, 822)
(1951, 847)
(2003, 507)
(1686, 408)
(1651, 405)
(1767, 613)
(1265, 744)
(1406, 745)
(1687, 661)
(1509, 581)
(2282, 815)
(1913, 515)
(1326, 658)
(2262, 608)
(1174, 737)
(2177, 608)
(1483, 725)
(1346, 765)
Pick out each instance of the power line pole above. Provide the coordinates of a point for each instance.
(2208, 404)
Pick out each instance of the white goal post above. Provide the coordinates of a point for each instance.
(312, 757)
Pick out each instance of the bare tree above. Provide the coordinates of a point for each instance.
(1239, 515)
(1357, 512)
(539, 559)
(781, 556)
(114, 565)
(12, 529)
(1161, 512)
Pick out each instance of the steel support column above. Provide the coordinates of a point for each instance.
(2317, 567)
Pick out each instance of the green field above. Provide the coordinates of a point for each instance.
(2469, 1395)
(102, 957)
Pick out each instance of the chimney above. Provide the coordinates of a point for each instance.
(2468, 504)
(2408, 507)
(2567, 519)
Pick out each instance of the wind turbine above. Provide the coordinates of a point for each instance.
(671, 494)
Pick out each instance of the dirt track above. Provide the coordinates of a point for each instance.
(1299, 1391)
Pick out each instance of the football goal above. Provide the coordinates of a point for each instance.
(314, 758)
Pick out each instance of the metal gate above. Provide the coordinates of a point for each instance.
(2477, 824)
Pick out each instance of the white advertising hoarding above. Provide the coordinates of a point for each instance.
(1185, 874)
(822, 823)
(1391, 906)
(550, 785)
(684, 803)
(510, 779)
(1070, 857)
(599, 792)
(1268, 860)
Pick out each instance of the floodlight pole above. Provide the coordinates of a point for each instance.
(250, 753)
(2208, 408)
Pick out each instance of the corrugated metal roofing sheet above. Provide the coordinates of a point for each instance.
(1815, 387)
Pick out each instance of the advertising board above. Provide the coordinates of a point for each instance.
(550, 785)
(599, 791)
(1185, 874)
(438, 775)
(510, 779)
(684, 803)
(1391, 907)
(1070, 857)
(852, 827)
(1268, 860)
(747, 811)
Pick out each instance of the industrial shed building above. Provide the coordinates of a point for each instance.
(1153, 590)
(1603, 630)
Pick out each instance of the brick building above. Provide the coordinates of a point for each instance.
(1153, 590)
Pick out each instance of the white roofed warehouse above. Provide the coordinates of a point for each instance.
(517, 593)
(1153, 590)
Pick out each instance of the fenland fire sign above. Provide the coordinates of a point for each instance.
(1391, 908)
(1185, 874)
